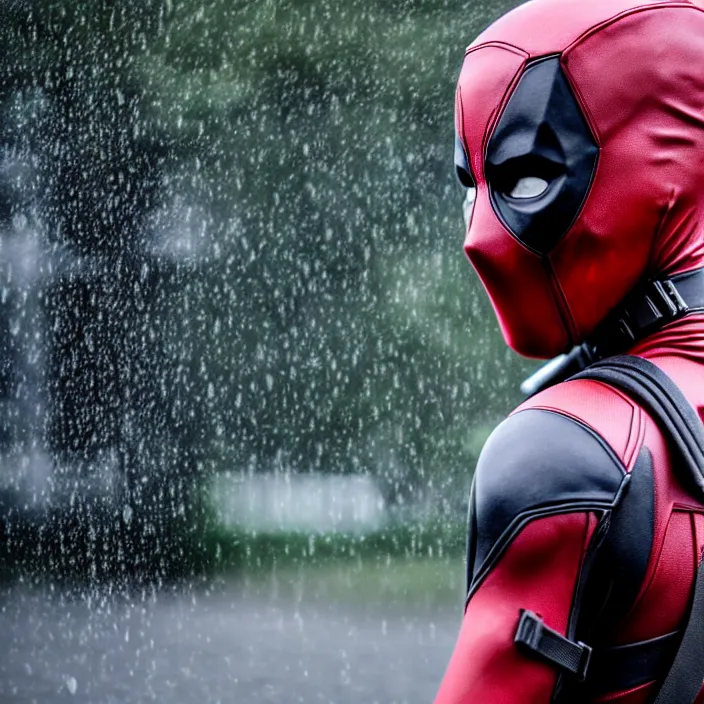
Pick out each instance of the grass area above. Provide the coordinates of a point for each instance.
(419, 566)
(226, 550)
(418, 582)
(401, 562)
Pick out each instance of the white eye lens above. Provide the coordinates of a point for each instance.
(529, 187)
(468, 204)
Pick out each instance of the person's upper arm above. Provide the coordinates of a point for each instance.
(543, 482)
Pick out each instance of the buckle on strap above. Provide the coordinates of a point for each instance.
(660, 297)
(644, 311)
(656, 305)
(534, 637)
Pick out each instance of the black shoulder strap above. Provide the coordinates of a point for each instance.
(654, 391)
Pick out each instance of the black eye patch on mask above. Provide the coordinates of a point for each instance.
(462, 169)
(542, 134)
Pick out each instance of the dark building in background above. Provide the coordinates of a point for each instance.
(95, 458)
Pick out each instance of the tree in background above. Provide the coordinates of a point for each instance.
(111, 423)
(344, 331)
(256, 241)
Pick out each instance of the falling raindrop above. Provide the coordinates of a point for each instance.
(71, 684)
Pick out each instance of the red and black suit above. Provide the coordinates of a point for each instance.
(580, 136)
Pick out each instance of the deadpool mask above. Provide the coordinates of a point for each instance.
(580, 140)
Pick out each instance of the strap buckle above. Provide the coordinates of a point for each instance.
(538, 639)
(658, 304)
(646, 310)
(666, 298)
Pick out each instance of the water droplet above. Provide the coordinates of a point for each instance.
(71, 684)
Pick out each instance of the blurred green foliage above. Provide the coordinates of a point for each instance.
(288, 167)
(342, 318)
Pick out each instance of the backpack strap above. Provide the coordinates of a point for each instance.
(657, 394)
(654, 391)
(684, 681)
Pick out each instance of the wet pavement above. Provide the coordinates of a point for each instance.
(219, 644)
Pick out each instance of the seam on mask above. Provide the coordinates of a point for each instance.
(667, 209)
(494, 119)
(561, 303)
(627, 13)
(497, 45)
(581, 100)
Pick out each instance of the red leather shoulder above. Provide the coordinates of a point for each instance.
(609, 413)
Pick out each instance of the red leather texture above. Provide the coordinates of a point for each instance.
(608, 412)
(538, 571)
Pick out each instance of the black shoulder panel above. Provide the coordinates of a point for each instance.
(542, 133)
(536, 463)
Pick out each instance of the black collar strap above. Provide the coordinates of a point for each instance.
(647, 309)
(644, 311)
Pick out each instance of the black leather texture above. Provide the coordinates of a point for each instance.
(633, 665)
(536, 463)
(625, 553)
(541, 133)
(464, 173)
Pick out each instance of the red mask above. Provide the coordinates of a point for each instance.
(581, 125)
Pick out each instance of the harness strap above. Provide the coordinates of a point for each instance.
(648, 308)
(534, 636)
(629, 666)
(644, 311)
(604, 670)
(652, 389)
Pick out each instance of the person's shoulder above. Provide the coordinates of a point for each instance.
(598, 409)
(543, 461)
(568, 445)
(544, 455)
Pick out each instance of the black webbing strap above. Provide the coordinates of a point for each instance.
(629, 666)
(549, 645)
(653, 390)
(605, 670)
(648, 308)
